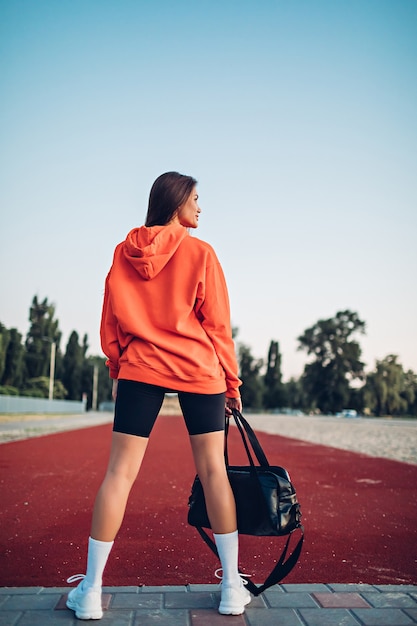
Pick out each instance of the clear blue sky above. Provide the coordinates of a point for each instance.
(299, 120)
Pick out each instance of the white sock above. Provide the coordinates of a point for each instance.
(228, 549)
(98, 553)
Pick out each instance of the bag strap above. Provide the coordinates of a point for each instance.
(281, 569)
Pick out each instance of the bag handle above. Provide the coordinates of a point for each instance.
(246, 433)
(244, 441)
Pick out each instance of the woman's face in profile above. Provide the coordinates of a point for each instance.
(189, 211)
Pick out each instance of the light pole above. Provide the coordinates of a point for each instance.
(52, 370)
(95, 388)
(51, 366)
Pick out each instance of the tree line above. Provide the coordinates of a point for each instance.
(333, 379)
(25, 364)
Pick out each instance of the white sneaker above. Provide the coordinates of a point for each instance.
(234, 598)
(85, 602)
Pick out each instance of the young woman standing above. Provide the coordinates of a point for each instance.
(166, 327)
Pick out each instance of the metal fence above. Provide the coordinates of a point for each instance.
(17, 404)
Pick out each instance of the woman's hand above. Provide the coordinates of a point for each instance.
(233, 403)
(114, 390)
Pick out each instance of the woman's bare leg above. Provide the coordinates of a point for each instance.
(126, 456)
(208, 452)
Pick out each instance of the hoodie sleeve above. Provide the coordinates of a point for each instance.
(213, 311)
(108, 334)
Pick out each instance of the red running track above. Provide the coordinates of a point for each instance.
(359, 512)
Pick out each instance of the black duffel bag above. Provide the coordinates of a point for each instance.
(266, 503)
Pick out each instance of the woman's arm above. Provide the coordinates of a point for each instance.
(214, 314)
(108, 334)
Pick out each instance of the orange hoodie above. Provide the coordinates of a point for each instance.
(166, 316)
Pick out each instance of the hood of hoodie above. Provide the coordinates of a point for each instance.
(148, 249)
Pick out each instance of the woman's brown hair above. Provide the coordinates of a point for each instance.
(168, 193)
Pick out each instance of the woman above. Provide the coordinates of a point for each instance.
(166, 327)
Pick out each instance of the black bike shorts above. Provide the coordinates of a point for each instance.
(138, 406)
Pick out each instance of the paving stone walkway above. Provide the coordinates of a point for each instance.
(196, 605)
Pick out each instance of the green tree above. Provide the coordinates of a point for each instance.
(13, 373)
(25, 367)
(42, 332)
(294, 393)
(385, 390)
(104, 383)
(375, 392)
(39, 388)
(4, 344)
(72, 367)
(356, 399)
(274, 394)
(326, 380)
(252, 384)
(410, 392)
